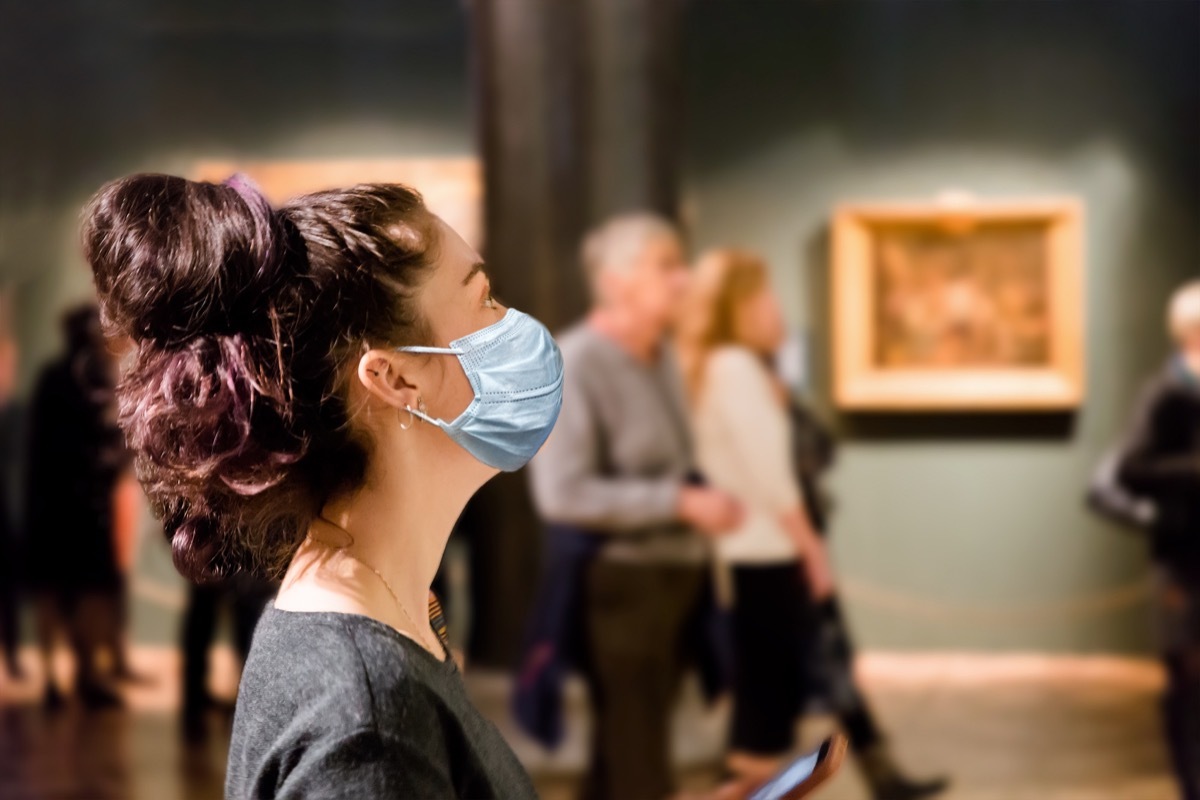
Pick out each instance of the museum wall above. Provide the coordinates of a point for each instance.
(952, 531)
(963, 531)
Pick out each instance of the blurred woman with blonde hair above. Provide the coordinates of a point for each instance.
(774, 565)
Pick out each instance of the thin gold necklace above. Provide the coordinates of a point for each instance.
(437, 649)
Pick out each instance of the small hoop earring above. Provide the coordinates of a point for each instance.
(412, 418)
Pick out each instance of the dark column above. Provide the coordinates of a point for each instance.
(635, 105)
(577, 112)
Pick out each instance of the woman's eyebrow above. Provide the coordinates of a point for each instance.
(476, 268)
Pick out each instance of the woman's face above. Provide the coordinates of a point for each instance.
(455, 300)
(758, 322)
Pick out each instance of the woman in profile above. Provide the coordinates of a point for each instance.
(775, 563)
(315, 393)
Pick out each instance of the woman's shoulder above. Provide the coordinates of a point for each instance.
(346, 663)
(735, 357)
(734, 368)
(323, 689)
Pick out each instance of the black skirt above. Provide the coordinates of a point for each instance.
(774, 620)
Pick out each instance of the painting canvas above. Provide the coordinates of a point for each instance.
(958, 308)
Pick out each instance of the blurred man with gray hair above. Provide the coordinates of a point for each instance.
(619, 467)
(9, 565)
(1161, 462)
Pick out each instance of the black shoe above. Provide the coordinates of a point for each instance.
(888, 782)
(904, 789)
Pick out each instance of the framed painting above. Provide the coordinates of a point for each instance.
(452, 187)
(965, 306)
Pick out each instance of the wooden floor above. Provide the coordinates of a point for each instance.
(1005, 728)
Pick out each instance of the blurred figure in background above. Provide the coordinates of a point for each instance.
(617, 467)
(245, 596)
(9, 552)
(76, 460)
(1161, 462)
(128, 505)
(785, 613)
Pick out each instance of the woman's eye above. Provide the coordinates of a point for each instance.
(488, 300)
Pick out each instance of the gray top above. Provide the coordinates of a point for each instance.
(341, 705)
(620, 451)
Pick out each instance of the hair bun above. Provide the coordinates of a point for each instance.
(174, 259)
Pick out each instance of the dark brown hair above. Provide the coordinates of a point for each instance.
(246, 322)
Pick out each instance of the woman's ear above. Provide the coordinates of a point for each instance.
(379, 371)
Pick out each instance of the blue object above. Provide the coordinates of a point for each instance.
(516, 372)
(554, 637)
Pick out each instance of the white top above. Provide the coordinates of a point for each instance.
(743, 445)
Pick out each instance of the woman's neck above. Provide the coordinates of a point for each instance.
(376, 552)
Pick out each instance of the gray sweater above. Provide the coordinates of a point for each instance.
(620, 451)
(340, 705)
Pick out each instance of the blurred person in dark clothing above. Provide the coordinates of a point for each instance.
(1160, 461)
(9, 552)
(128, 506)
(245, 597)
(789, 636)
(617, 466)
(76, 459)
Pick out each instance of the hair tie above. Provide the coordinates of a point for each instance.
(247, 189)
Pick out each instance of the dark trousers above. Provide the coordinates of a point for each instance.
(246, 601)
(637, 618)
(1178, 606)
(832, 675)
(9, 600)
(790, 651)
(86, 619)
(773, 619)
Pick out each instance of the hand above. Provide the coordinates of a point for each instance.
(817, 570)
(710, 511)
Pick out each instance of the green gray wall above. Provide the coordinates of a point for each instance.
(964, 532)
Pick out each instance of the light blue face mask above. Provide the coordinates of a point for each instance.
(516, 371)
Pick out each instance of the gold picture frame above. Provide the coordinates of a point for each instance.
(958, 306)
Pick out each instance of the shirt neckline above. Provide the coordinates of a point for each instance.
(409, 642)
